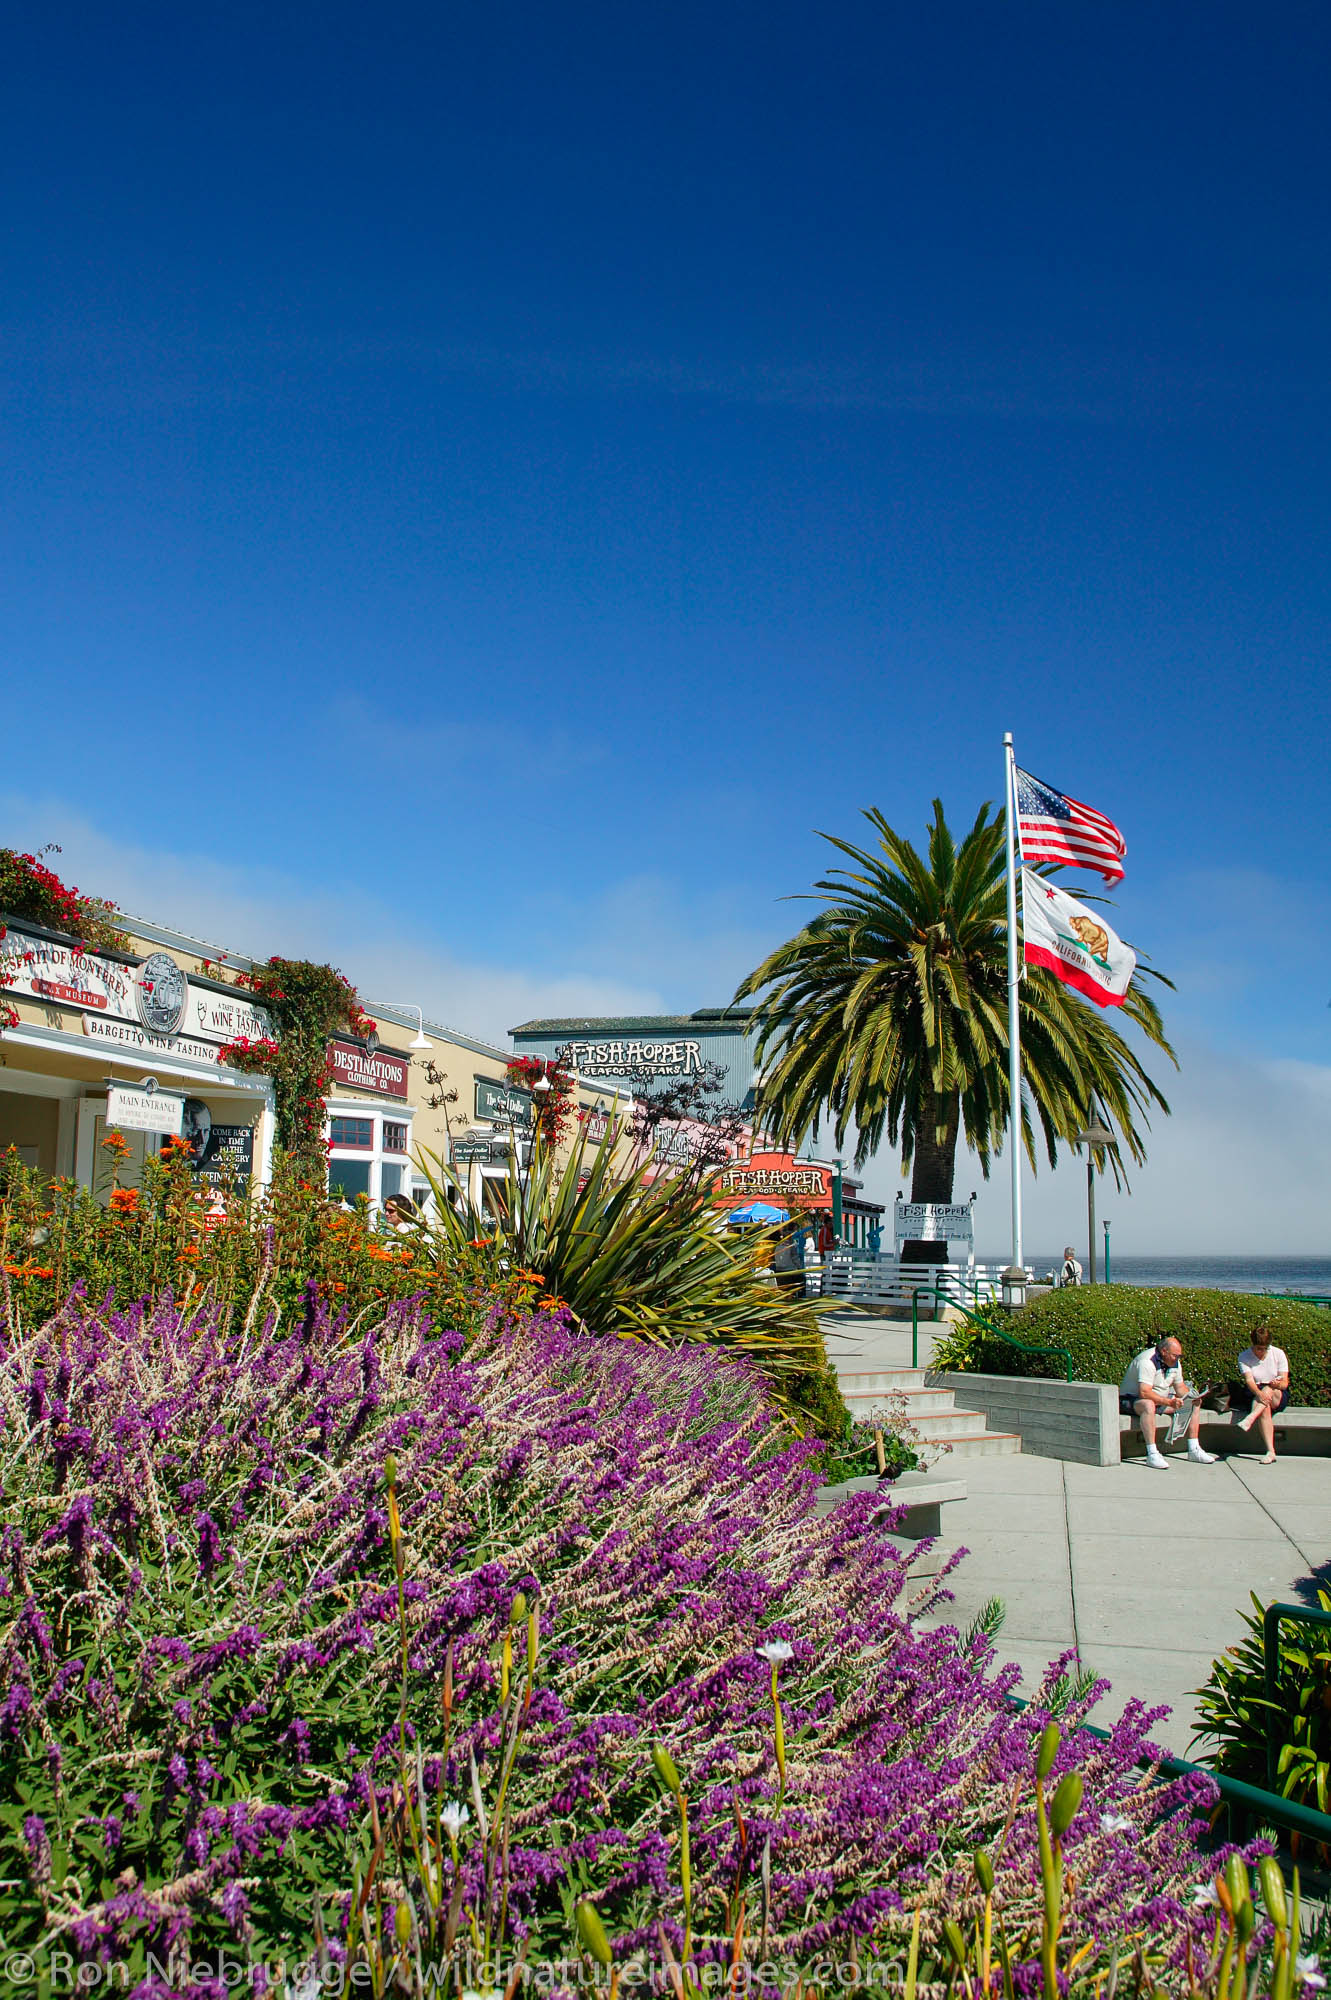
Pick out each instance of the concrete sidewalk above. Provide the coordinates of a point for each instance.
(1145, 1573)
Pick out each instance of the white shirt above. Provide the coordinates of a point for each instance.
(1144, 1373)
(1266, 1368)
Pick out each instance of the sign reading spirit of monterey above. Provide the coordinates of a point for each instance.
(144, 1110)
(384, 1072)
(617, 1058)
(148, 1006)
(774, 1177)
(933, 1221)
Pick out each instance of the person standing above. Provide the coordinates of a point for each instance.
(1154, 1387)
(1071, 1271)
(1265, 1372)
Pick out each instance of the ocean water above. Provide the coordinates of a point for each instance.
(1225, 1274)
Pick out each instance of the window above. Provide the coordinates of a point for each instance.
(395, 1136)
(348, 1178)
(352, 1132)
(390, 1178)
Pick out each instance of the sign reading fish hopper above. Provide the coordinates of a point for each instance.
(774, 1177)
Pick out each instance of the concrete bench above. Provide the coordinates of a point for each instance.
(924, 1496)
(1301, 1432)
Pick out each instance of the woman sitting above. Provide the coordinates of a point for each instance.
(1265, 1388)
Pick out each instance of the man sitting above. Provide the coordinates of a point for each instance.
(1154, 1387)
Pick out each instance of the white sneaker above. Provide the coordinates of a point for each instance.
(1197, 1455)
(1156, 1460)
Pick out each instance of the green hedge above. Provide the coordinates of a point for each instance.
(1103, 1326)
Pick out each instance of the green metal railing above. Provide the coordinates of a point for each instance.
(1250, 1802)
(1322, 1299)
(973, 1318)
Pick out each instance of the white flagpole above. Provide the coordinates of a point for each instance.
(1013, 1004)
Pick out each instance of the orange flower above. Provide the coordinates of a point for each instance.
(339, 1288)
(480, 1242)
(117, 1143)
(124, 1201)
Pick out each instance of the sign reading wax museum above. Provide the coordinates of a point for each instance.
(502, 1103)
(59, 973)
(774, 1177)
(384, 1072)
(933, 1222)
(146, 1110)
(629, 1058)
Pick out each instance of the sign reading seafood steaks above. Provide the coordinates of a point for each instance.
(774, 1177)
(620, 1058)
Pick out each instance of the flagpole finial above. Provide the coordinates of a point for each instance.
(1007, 739)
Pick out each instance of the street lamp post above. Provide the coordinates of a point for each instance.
(1106, 1230)
(1094, 1135)
(836, 1201)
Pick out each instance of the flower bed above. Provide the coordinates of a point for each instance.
(199, 1684)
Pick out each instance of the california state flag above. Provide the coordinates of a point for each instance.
(1077, 947)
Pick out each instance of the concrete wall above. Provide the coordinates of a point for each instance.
(1074, 1420)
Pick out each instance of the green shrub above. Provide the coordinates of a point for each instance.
(1103, 1326)
(1234, 1709)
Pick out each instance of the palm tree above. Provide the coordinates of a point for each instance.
(888, 1011)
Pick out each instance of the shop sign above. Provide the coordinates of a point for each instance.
(145, 1110)
(502, 1103)
(384, 1072)
(221, 1156)
(129, 1035)
(933, 1222)
(161, 994)
(613, 1058)
(36, 968)
(596, 1125)
(775, 1177)
(463, 1152)
(219, 1018)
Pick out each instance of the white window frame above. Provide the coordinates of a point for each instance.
(396, 1114)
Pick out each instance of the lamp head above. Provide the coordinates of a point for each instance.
(421, 1040)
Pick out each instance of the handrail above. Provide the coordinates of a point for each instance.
(975, 1318)
(1307, 1614)
(1269, 1807)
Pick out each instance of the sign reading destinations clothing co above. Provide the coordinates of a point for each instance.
(384, 1072)
(501, 1104)
(620, 1058)
(933, 1221)
(775, 1177)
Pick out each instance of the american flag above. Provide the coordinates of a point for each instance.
(1053, 827)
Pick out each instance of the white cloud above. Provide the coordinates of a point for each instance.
(255, 912)
(1242, 1167)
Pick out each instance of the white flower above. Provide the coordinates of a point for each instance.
(1204, 1896)
(776, 1650)
(1309, 1969)
(1115, 1823)
(454, 1817)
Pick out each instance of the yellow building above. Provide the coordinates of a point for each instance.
(126, 1037)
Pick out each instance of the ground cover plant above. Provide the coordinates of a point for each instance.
(282, 1600)
(1103, 1326)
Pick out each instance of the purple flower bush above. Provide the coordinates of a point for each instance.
(203, 1710)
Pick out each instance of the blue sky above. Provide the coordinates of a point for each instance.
(525, 469)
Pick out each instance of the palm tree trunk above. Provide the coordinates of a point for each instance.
(934, 1166)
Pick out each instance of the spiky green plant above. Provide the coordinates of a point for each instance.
(638, 1260)
(888, 1011)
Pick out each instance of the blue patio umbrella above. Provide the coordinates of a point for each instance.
(758, 1211)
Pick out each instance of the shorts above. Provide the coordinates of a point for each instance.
(1241, 1399)
(1127, 1406)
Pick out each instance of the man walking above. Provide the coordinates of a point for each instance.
(1154, 1387)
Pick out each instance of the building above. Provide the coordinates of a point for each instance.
(652, 1052)
(140, 1032)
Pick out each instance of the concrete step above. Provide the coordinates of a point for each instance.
(980, 1444)
(885, 1381)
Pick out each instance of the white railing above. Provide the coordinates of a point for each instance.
(863, 1279)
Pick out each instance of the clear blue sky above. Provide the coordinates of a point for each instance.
(521, 469)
